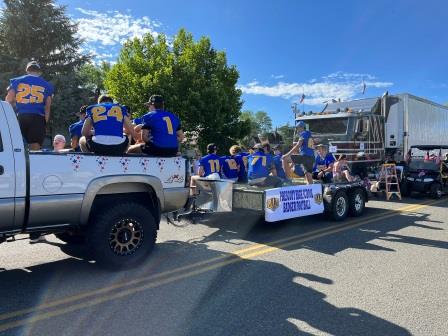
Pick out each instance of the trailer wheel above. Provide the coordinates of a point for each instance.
(436, 190)
(357, 202)
(339, 206)
(122, 236)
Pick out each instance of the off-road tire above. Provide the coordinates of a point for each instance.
(121, 236)
(435, 190)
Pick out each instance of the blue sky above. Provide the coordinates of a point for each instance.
(283, 48)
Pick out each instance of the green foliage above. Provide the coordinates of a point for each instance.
(40, 30)
(194, 78)
(260, 122)
(287, 134)
(92, 76)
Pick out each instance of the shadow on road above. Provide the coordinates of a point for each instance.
(250, 226)
(244, 297)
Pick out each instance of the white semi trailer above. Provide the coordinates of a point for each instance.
(381, 128)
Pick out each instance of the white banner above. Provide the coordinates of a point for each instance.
(292, 202)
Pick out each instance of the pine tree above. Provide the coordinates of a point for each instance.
(40, 30)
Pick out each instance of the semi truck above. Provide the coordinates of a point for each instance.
(372, 130)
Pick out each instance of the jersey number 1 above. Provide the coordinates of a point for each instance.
(169, 125)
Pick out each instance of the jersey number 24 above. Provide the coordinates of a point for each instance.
(100, 113)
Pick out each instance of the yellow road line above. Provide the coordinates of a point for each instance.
(260, 249)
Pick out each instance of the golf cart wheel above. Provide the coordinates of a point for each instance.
(339, 206)
(357, 202)
(436, 190)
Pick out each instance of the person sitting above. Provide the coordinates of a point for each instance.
(278, 162)
(341, 171)
(261, 168)
(241, 157)
(102, 132)
(59, 143)
(210, 166)
(76, 128)
(323, 165)
(161, 130)
(232, 164)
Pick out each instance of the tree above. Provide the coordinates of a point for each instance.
(92, 76)
(260, 124)
(194, 78)
(287, 134)
(40, 30)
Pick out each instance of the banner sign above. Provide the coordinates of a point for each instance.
(292, 202)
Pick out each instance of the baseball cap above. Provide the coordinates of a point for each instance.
(211, 147)
(33, 64)
(154, 99)
(82, 110)
(301, 124)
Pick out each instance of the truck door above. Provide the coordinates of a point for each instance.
(7, 176)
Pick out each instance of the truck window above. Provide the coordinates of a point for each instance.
(362, 126)
(336, 126)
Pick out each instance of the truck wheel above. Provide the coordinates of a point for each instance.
(71, 239)
(356, 202)
(339, 206)
(436, 190)
(122, 236)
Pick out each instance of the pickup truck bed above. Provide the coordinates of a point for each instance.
(113, 204)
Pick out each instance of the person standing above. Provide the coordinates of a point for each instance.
(31, 95)
(278, 162)
(161, 130)
(305, 148)
(76, 128)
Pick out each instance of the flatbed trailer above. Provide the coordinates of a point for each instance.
(339, 200)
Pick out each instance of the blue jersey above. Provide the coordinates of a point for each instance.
(163, 126)
(259, 165)
(138, 121)
(211, 163)
(75, 129)
(107, 119)
(31, 93)
(307, 145)
(230, 166)
(322, 163)
(241, 160)
(278, 166)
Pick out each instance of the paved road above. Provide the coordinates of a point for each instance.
(381, 274)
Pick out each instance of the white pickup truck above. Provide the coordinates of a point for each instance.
(112, 204)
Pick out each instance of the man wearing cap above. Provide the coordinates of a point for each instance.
(31, 95)
(107, 120)
(76, 128)
(305, 148)
(323, 164)
(210, 166)
(161, 130)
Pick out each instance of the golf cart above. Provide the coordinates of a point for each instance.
(427, 170)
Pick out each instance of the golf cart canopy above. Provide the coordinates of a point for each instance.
(429, 147)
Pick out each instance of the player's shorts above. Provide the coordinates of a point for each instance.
(150, 149)
(32, 127)
(113, 150)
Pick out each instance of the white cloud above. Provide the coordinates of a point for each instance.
(278, 76)
(108, 31)
(337, 85)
